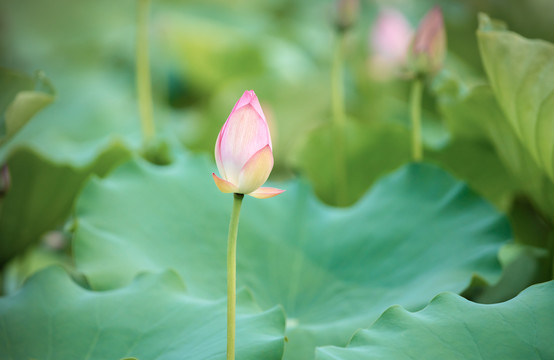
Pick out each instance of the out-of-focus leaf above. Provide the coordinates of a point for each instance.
(92, 126)
(521, 74)
(12, 83)
(85, 131)
(477, 163)
(523, 266)
(416, 233)
(47, 253)
(369, 151)
(232, 56)
(152, 318)
(476, 110)
(451, 327)
(25, 105)
(20, 100)
(41, 196)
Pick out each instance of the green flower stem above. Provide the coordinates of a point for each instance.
(339, 118)
(144, 89)
(415, 103)
(232, 274)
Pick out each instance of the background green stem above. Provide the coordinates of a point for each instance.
(415, 103)
(339, 118)
(144, 89)
(232, 274)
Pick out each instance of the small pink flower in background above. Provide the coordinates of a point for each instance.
(243, 151)
(390, 41)
(429, 46)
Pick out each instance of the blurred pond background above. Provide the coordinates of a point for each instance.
(204, 54)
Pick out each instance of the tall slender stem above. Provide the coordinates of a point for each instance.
(144, 89)
(415, 103)
(232, 274)
(339, 118)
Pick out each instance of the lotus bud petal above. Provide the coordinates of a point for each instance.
(243, 150)
(389, 41)
(429, 46)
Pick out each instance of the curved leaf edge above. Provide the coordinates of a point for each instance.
(361, 335)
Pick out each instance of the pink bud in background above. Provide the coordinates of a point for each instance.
(243, 151)
(429, 46)
(390, 41)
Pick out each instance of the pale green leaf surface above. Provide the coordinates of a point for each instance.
(416, 233)
(451, 327)
(521, 74)
(154, 317)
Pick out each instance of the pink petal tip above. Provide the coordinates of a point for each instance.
(224, 185)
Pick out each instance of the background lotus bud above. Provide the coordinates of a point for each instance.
(347, 13)
(429, 46)
(243, 150)
(390, 40)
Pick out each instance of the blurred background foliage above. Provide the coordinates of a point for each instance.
(204, 54)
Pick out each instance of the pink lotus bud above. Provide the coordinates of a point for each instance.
(243, 151)
(429, 46)
(390, 41)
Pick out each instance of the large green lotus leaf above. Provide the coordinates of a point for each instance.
(152, 318)
(451, 327)
(416, 233)
(362, 163)
(521, 73)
